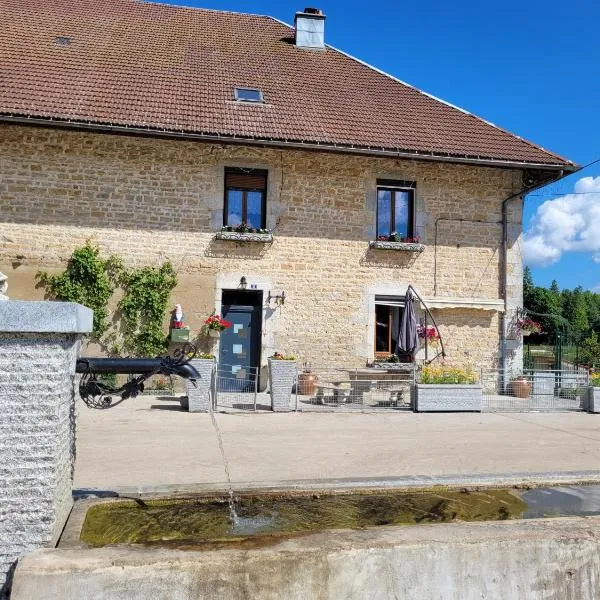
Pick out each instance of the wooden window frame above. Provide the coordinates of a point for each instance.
(379, 354)
(245, 190)
(388, 185)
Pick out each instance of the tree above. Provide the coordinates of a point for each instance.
(528, 287)
(578, 318)
(590, 351)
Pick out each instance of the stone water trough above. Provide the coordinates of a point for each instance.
(533, 559)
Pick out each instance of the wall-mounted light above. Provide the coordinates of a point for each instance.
(243, 283)
(279, 298)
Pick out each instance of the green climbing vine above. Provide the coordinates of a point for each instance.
(136, 328)
(142, 308)
(89, 280)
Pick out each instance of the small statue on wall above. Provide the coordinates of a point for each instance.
(3, 286)
(179, 332)
(177, 318)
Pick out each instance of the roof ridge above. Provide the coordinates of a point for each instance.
(197, 8)
(428, 95)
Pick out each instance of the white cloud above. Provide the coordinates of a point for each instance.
(570, 223)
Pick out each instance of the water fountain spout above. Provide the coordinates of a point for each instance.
(96, 392)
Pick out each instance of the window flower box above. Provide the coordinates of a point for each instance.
(416, 247)
(245, 234)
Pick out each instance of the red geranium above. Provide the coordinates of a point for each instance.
(429, 333)
(216, 323)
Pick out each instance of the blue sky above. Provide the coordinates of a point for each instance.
(531, 67)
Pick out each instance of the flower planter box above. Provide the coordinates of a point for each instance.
(180, 335)
(400, 246)
(200, 396)
(234, 236)
(282, 376)
(592, 400)
(447, 397)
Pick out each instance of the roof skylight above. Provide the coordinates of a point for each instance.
(248, 95)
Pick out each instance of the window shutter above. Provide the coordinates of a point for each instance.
(246, 179)
(389, 300)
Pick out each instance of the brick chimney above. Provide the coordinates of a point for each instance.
(310, 29)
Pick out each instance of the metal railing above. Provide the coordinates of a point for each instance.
(237, 387)
(331, 388)
(534, 390)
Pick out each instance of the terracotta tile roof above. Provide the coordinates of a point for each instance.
(137, 64)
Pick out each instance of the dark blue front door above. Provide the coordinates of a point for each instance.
(239, 348)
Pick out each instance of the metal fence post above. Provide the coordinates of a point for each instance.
(255, 387)
(296, 388)
(214, 385)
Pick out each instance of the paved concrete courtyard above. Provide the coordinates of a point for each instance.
(149, 442)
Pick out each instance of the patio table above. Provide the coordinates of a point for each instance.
(340, 394)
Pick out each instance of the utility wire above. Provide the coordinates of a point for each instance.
(563, 194)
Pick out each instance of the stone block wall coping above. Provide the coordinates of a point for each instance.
(235, 236)
(400, 246)
(23, 316)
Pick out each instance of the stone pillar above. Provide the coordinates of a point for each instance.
(283, 374)
(200, 396)
(39, 344)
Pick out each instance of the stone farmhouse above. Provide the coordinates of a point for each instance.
(158, 131)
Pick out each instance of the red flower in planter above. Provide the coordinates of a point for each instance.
(429, 333)
(216, 323)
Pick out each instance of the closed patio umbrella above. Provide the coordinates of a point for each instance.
(408, 338)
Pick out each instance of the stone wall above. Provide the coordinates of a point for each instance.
(150, 200)
(37, 425)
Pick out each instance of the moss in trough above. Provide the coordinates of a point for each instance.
(206, 520)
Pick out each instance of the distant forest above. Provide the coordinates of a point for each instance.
(575, 314)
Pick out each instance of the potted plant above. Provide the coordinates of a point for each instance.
(429, 334)
(593, 395)
(200, 396)
(282, 376)
(528, 326)
(521, 387)
(446, 388)
(307, 381)
(214, 324)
